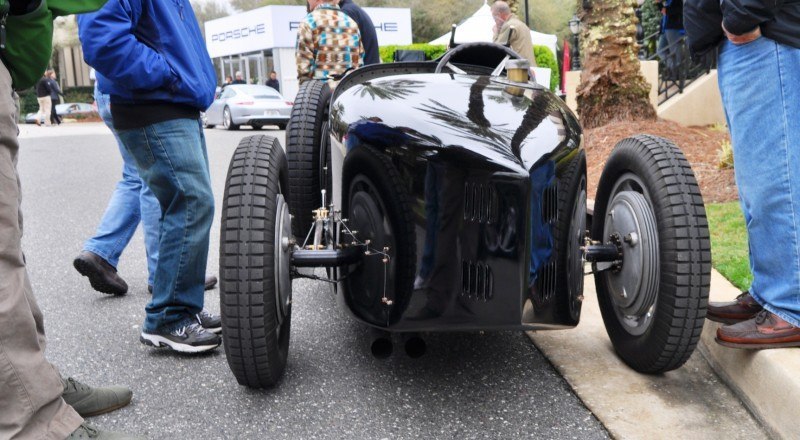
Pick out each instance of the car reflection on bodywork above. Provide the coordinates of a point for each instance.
(244, 104)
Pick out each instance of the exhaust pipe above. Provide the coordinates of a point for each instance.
(382, 346)
(415, 347)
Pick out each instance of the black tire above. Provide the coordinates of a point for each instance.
(304, 140)
(227, 120)
(652, 176)
(257, 126)
(255, 330)
(570, 232)
(384, 217)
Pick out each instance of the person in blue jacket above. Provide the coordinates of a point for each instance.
(152, 61)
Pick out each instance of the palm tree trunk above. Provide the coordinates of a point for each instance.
(612, 87)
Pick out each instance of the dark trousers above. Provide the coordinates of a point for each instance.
(54, 118)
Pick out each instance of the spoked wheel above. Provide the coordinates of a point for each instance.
(255, 285)
(227, 120)
(653, 303)
(307, 151)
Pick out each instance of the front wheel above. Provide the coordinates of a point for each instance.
(255, 283)
(654, 303)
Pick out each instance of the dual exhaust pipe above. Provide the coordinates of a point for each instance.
(383, 346)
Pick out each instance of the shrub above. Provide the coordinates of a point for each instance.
(725, 156)
(543, 55)
(432, 51)
(79, 94)
(27, 103)
(545, 58)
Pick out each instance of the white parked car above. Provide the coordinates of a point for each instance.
(248, 104)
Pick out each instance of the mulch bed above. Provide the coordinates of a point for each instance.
(700, 145)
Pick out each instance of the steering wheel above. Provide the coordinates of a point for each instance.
(490, 55)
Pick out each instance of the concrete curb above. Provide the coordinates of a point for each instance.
(767, 381)
(689, 403)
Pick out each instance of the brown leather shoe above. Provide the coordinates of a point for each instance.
(744, 307)
(102, 276)
(766, 330)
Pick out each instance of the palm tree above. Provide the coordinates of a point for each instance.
(612, 87)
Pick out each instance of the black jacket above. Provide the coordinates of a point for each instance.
(274, 83)
(55, 90)
(43, 88)
(779, 20)
(366, 28)
(674, 15)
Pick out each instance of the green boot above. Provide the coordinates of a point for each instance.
(89, 401)
(87, 431)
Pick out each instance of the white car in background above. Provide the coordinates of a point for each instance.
(248, 104)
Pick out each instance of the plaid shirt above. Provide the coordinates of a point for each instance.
(328, 43)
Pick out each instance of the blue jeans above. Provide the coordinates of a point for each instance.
(171, 158)
(760, 85)
(131, 202)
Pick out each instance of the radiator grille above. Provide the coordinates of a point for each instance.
(546, 283)
(480, 203)
(477, 281)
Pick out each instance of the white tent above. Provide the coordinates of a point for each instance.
(479, 26)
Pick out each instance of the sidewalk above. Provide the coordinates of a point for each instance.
(768, 381)
(759, 401)
(28, 131)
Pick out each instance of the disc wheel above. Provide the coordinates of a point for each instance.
(227, 120)
(654, 303)
(307, 151)
(377, 207)
(255, 285)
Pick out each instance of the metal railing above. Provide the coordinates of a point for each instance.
(676, 69)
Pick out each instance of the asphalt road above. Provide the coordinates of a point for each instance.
(492, 385)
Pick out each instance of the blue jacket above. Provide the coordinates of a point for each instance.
(148, 51)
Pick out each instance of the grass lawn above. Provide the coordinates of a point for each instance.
(729, 243)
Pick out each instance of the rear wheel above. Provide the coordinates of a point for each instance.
(306, 141)
(648, 203)
(227, 120)
(255, 285)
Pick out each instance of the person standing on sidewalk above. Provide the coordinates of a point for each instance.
(55, 92)
(35, 401)
(43, 92)
(151, 60)
(759, 79)
(520, 39)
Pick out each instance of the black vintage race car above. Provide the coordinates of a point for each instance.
(451, 196)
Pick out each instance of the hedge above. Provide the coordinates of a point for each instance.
(432, 51)
(29, 104)
(544, 57)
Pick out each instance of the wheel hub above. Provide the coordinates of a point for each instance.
(283, 237)
(634, 287)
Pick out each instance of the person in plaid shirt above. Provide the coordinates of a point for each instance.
(328, 42)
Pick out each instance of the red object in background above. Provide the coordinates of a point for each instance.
(566, 63)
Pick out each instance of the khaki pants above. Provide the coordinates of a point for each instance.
(31, 406)
(45, 107)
